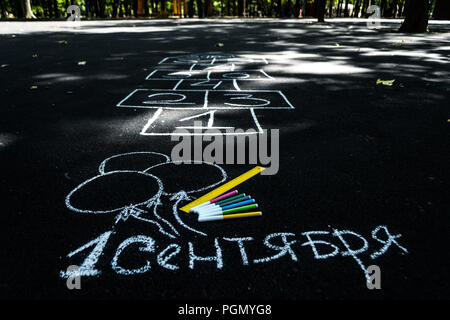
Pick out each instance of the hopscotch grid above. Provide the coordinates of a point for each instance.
(229, 62)
(178, 83)
(205, 105)
(208, 75)
(151, 120)
(263, 72)
(121, 101)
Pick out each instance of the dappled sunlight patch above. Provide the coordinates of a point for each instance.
(7, 139)
(310, 67)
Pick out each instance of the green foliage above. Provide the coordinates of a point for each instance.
(44, 8)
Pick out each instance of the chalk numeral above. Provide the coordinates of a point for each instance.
(87, 268)
(245, 97)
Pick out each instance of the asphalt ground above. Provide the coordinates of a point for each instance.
(357, 159)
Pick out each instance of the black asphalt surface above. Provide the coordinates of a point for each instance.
(354, 155)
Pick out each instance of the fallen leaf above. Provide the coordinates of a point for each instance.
(82, 63)
(4, 65)
(337, 44)
(35, 55)
(63, 41)
(219, 44)
(33, 87)
(385, 82)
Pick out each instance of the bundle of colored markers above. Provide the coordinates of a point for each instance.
(230, 205)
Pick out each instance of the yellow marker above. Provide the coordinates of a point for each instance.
(230, 216)
(223, 188)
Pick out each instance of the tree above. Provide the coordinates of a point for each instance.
(115, 11)
(356, 8)
(200, 9)
(416, 19)
(25, 9)
(3, 12)
(442, 10)
(346, 9)
(320, 10)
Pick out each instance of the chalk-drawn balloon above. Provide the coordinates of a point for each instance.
(139, 193)
(114, 191)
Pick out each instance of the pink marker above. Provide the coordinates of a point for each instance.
(224, 196)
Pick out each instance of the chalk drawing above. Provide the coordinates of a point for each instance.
(313, 244)
(194, 99)
(281, 242)
(164, 258)
(209, 72)
(179, 127)
(284, 250)
(240, 243)
(147, 245)
(147, 210)
(87, 268)
(351, 252)
(387, 243)
(218, 257)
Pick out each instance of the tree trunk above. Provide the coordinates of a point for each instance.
(383, 7)
(364, 8)
(320, 10)
(401, 8)
(25, 8)
(200, 9)
(442, 10)
(135, 8)
(346, 9)
(115, 12)
(55, 7)
(3, 12)
(296, 8)
(393, 9)
(146, 8)
(416, 19)
(190, 5)
(356, 9)
(339, 8)
(208, 8)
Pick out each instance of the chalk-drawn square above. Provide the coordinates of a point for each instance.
(245, 99)
(165, 122)
(176, 74)
(171, 74)
(167, 99)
